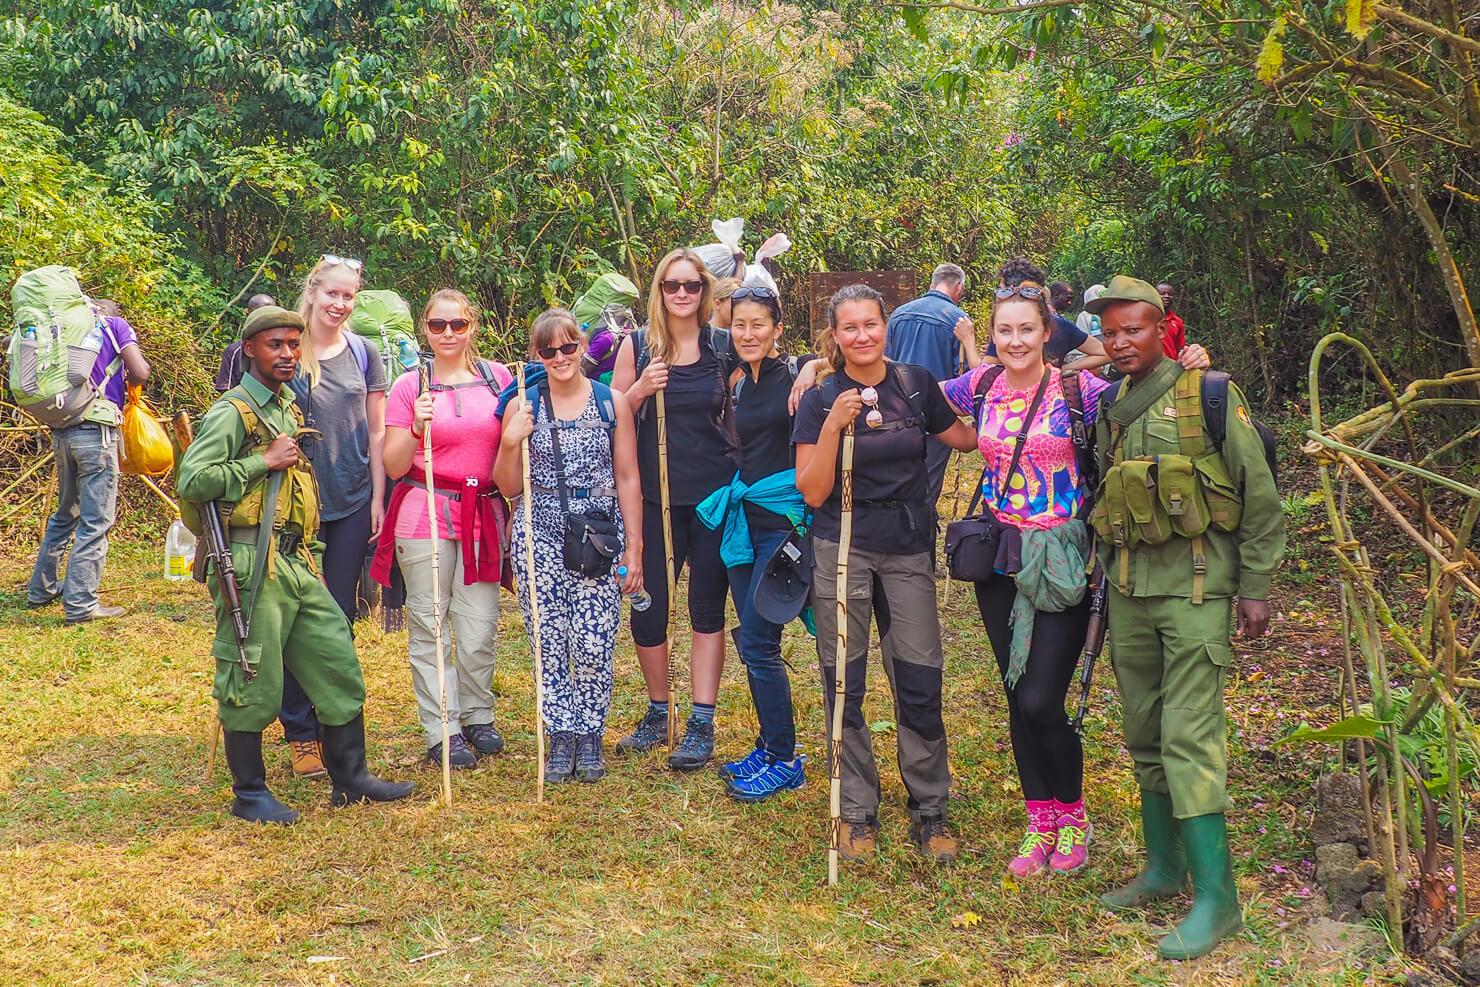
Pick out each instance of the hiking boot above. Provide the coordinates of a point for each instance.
(590, 767)
(344, 756)
(98, 612)
(776, 776)
(1034, 853)
(748, 765)
(560, 759)
(932, 835)
(1215, 914)
(307, 758)
(39, 604)
(1165, 873)
(459, 755)
(1071, 852)
(857, 840)
(651, 731)
(696, 748)
(484, 738)
(252, 802)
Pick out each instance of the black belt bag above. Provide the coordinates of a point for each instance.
(971, 543)
(592, 540)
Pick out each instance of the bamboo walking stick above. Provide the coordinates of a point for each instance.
(534, 607)
(840, 674)
(668, 553)
(426, 454)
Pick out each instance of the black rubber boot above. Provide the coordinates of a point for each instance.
(344, 756)
(253, 801)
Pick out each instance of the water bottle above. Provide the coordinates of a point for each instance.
(406, 355)
(179, 551)
(29, 333)
(639, 600)
(94, 339)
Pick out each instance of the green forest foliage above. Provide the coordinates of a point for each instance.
(518, 148)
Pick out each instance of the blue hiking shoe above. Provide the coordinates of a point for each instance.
(748, 765)
(776, 776)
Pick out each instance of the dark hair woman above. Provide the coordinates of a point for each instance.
(891, 573)
(1035, 615)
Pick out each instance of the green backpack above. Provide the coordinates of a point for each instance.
(58, 336)
(384, 318)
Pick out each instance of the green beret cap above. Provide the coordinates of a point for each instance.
(271, 317)
(1125, 289)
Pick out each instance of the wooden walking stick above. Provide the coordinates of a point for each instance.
(534, 606)
(668, 553)
(426, 454)
(840, 673)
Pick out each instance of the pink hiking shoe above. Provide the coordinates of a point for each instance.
(1034, 854)
(1071, 852)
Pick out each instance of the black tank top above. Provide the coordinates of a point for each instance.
(703, 452)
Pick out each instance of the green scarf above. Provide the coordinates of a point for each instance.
(1052, 578)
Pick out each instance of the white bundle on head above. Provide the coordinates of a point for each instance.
(755, 273)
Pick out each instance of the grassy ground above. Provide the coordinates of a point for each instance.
(123, 867)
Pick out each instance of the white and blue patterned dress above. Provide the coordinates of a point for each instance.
(579, 617)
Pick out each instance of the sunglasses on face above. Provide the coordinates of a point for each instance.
(754, 291)
(350, 262)
(564, 349)
(439, 326)
(672, 287)
(1027, 290)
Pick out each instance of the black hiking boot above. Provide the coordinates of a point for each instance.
(696, 748)
(253, 801)
(460, 756)
(650, 732)
(344, 756)
(484, 738)
(589, 764)
(560, 759)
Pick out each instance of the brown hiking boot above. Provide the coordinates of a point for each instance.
(932, 835)
(307, 757)
(857, 840)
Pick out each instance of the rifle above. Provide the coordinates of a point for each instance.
(1094, 643)
(218, 549)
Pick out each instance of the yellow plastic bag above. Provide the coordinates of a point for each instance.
(146, 445)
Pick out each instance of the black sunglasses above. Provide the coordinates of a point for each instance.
(440, 326)
(754, 291)
(564, 349)
(671, 287)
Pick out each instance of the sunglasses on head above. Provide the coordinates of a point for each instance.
(754, 291)
(564, 349)
(350, 262)
(672, 287)
(1026, 290)
(439, 326)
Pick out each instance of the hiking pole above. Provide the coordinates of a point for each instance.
(840, 675)
(425, 372)
(534, 605)
(1094, 643)
(668, 553)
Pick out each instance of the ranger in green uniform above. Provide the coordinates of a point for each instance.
(246, 457)
(1184, 528)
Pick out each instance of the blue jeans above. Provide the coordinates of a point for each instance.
(87, 494)
(760, 650)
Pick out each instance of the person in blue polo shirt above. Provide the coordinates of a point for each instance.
(933, 332)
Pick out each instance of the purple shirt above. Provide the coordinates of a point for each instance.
(122, 334)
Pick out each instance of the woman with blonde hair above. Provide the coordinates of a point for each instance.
(724, 289)
(680, 356)
(460, 406)
(341, 387)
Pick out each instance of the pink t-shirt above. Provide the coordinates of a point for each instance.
(465, 438)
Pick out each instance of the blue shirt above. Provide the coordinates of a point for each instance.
(923, 332)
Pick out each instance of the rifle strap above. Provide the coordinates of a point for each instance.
(266, 544)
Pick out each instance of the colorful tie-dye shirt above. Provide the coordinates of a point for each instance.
(1045, 490)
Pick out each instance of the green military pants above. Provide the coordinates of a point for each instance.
(295, 623)
(1171, 658)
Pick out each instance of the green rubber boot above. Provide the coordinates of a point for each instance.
(1165, 873)
(1215, 914)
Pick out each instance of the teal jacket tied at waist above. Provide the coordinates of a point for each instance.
(776, 493)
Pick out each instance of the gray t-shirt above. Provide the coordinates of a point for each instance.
(341, 460)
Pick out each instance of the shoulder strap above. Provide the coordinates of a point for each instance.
(906, 380)
(251, 412)
(1080, 434)
(1192, 431)
(640, 355)
(361, 352)
(560, 485)
(1017, 448)
(605, 406)
(1214, 404)
(979, 392)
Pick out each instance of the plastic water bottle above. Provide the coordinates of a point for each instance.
(406, 355)
(639, 600)
(94, 339)
(179, 551)
(29, 333)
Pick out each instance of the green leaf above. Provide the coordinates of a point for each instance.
(1360, 16)
(1352, 728)
(1271, 53)
(881, 726)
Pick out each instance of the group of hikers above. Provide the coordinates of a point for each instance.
(781, 481)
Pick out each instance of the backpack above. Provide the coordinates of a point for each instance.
(1080, 434)
(54, 348)
(604, 407)
(384, 318)
(904, 379)
(718, 340)
(238, 367)
(1213, 397)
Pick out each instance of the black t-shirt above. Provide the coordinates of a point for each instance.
(703, 453)
(1064, 339)
(764, 427)
(890, 509)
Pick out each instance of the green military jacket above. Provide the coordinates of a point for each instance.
(225, 464)
(1239, 563)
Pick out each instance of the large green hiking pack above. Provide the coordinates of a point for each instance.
(384, 318)
(58, 336)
